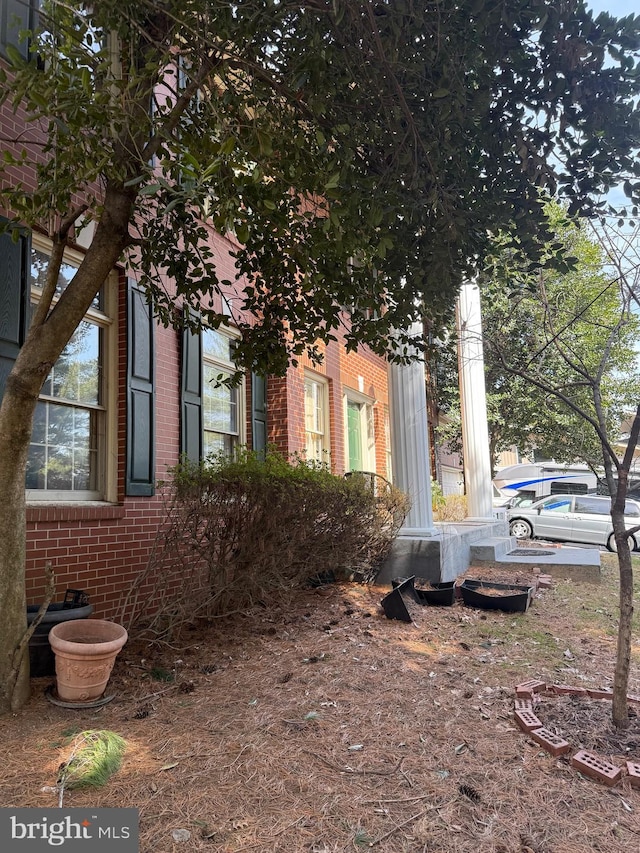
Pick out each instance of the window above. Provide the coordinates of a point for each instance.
(557, 505)
(560, 487)
(387, 444)
(593, 506)
(315, 419)
(631, 509)
(16, 16)
(359, 433)
(220, 403)
(71, 428)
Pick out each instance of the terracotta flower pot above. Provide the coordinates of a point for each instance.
(85, 652)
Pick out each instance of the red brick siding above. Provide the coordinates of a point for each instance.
(102, 548)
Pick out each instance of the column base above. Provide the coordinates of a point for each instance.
(419, 532)
(487, 519)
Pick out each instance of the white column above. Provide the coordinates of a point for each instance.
(473, 404)
(410, 441)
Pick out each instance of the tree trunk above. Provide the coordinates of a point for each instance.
(14, 674)
(41, 349)
(623, 656)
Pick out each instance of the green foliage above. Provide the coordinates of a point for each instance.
(95, 757)
(239, 531)
(377, 131)
(572, 333)
(438, 500)
(159, 673)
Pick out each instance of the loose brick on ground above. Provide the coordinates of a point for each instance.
(568, 690)
(528, 688)
(600, 694)
(551, 742)
(597, 768)
(633, 772)
(522, 704)
(527, 720)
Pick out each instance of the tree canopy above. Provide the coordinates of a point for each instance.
(547, 331)
(363, 153)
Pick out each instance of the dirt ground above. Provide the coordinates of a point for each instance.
(318, 725)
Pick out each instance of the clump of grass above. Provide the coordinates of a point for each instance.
(158, 673)
(95, 757)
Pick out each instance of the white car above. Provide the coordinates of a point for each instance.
(573, 518)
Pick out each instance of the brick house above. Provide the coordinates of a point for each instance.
(128, 396)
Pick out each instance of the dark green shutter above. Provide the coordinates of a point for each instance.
(259, 412)
(191, 420)
(14, 293)
(140, 395)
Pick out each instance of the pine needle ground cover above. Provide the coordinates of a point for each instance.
(324, 727)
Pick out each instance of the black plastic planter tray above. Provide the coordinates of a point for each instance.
(405, 585)
(437, 594)
(393, 603)
(473, 596)
(442, 594)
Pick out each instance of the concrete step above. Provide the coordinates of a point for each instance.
(493, 548)
(579, 564)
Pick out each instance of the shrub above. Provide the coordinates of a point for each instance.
(452, 508)
(438, 500)
(239, 530)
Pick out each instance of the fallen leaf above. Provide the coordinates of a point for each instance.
(170, 766)
(181, 835)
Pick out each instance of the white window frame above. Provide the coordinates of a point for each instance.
(239, 437)
(367, 429)
(322, 385)
(107, 451)
(388, 444)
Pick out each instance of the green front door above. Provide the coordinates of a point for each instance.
(354, 436)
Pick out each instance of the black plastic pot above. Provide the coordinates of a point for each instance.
(407, 586)
(41, 658)
(439, 594)
(474, 596)
(393, 603)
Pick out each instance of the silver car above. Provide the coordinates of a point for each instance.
(572, 518)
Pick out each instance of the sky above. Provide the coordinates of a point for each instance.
(618, 8)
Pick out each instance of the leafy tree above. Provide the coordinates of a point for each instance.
(581, 307)
(398, 134)
(575, 353)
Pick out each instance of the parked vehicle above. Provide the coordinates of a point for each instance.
(532, 481)
(572, 518)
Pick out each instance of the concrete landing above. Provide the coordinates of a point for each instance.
(578, 564)
(458, 545)
(441, 557)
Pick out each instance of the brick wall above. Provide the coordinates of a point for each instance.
(102, 548)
